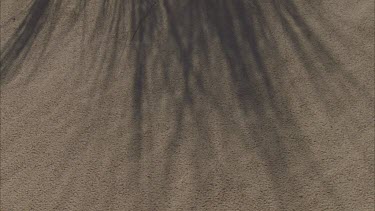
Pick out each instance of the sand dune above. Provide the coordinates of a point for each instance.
(187, 105)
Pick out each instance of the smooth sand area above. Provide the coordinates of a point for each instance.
(187, 105)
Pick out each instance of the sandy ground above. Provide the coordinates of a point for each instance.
(187, 105)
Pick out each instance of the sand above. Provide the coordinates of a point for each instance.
(187, 105)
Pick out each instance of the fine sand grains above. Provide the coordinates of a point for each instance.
(187, 105)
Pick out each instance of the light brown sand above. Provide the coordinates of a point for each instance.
(155, 119)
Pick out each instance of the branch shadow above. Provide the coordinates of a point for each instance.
(244, 37)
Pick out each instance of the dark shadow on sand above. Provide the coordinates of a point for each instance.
(247, 41)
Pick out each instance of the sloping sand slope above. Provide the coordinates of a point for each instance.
(187, 105)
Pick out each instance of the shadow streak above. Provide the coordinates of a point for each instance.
(243, 34)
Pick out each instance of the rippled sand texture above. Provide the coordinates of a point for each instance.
(187, 105)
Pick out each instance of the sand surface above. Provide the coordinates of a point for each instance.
(187, 105)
